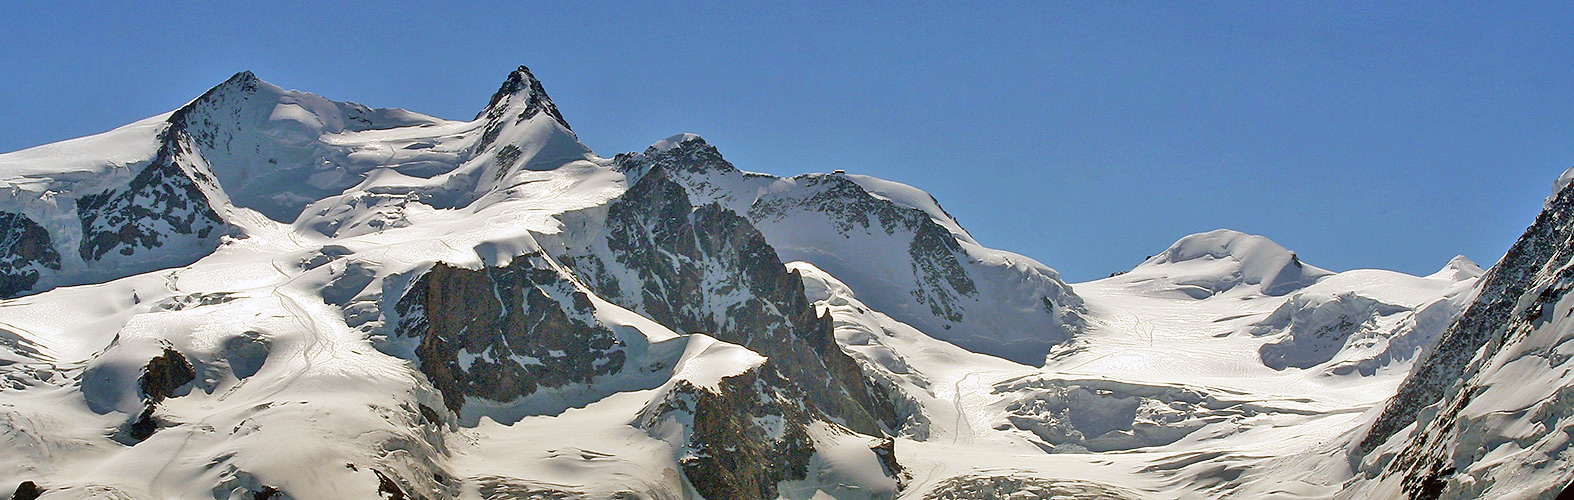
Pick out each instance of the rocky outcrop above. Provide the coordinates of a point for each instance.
(1022, 487)
(159, 205)
(163, 375)
(981, 299)
(745, 437)
(500, 333)
(521, 90)
(707, 269)
(681, 154)
(1509, 299)
(1490, 401)
(27, 491)
(936, 255)
(163, 204)
(26, 250)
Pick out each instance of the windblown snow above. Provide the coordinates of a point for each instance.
(268, 294)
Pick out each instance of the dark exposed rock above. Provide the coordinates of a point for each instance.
(266, 493)
(707, 269)
(1535, 271)
(25, 250)
(27, 491)
(1503, 325)
(387, 488)
(163, 202)
(692, 155)
(885, 450)
(940, 275)
(144, 426)
(507, 488)
(943, 286)
(430, 417)
(730, 455)
(1430, 484)
(519, 85)
(1018, 487)
(506, 158)
(164, 374)
(518, 328)
(935, 254)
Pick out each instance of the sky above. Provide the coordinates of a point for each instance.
(1087, 135)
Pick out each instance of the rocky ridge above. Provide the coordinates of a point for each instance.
(424, 308)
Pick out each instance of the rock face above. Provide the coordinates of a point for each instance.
(25, 251)
(523, 87)
(932, 274)
(160, 204)
(936, 256)
(27, 491)
(503, 333)
(730, 454)
(164, 374)
(1494, 383)
(1001, 487)
(706, 269)
(164, 204)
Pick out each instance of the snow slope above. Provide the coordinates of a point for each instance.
(270, 294)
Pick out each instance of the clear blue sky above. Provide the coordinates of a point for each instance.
(1086, 135)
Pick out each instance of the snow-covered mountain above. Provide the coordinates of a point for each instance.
(267, 294)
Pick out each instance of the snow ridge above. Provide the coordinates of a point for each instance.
(286, 296)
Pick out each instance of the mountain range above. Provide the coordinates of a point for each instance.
(267, 294)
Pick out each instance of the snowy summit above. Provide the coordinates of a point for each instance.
(268, 294)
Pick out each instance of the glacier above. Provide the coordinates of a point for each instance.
(268, 294)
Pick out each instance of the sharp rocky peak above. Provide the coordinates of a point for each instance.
(243, 78)
(680, 153)
(521, 95)
(680, 140)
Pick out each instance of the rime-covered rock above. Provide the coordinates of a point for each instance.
(1487, 412)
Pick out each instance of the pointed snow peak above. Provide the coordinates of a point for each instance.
(676, 141)
(240, 84)
(519, 80)
(523, 96)
(1558, 186)
(244, 81)
(1459, 268)
(243, 77)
